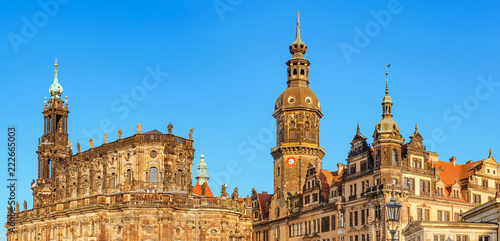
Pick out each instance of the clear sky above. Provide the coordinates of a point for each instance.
(225, 61)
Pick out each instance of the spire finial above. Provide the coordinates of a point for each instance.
(298, 27)
(490, 154)
(298, 46)
(56, 64)
(387, 78)
(357, 129)
(416, 126)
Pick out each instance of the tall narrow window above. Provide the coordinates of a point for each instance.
(50, 169)
(129, 176)
(394, 159)
(178, 177)
(113, 180)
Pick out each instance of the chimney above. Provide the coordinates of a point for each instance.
(453, 160)
(433, 157)
(340, 168)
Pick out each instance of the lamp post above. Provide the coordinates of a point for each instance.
(393, 209)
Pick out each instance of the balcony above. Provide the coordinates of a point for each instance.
(387, 188)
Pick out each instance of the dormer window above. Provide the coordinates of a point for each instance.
(353, 169)
(417, 163)
(363, 166)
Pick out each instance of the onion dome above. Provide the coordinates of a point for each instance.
(55, 89)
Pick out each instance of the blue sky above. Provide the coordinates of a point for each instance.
(225, 61)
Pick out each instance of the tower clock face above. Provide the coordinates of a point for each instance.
(291, 161)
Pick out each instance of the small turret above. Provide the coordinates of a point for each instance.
(202, 175)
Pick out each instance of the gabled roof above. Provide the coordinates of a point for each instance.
(450, 173)
(197, 190)
(358, 136)
(326, 179)
(264, 199)
(153, 132)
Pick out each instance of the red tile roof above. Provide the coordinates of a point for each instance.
(326, 178)
(264, 199)
(449, 172)
(197, 190)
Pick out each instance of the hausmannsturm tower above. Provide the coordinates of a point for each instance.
(297, 113)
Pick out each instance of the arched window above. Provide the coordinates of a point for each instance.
(113, 180)
(295, 72)
(394, 158)
(153, 174)
(292, 124)
(302, 72)
(129, 176)
(178, 177)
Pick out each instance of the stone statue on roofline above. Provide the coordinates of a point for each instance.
(170, 127)
(119, 133)
(139, 128)
(204, 189)
(223, 191)
(235, 194)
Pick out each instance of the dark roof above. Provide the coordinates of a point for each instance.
(153, 132)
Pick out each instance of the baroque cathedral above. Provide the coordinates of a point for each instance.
(135, 188)
(139, 187)
(311, 203)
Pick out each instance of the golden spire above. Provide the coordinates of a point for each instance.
(490, 156)
(297, 37)
(387, 78)
(298, 46)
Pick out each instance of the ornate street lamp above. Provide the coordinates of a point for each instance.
(393, 210)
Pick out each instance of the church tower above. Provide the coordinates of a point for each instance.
(297, 113)
(388, 142)
(54, 145)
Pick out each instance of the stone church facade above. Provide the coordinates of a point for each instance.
(311, 203)
(135, 188)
